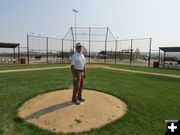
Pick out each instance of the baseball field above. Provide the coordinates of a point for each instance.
(150, 98)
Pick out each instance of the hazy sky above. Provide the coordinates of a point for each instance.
(159, 19)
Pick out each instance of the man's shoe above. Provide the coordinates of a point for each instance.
(81, 99)
(76, 102)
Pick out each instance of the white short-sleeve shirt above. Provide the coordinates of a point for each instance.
(78, 60)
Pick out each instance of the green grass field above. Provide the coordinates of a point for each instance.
(150, 99)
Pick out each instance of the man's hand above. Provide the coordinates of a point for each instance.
(75, 78)
(84, 75)
(84, 71)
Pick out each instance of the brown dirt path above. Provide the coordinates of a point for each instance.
(31, 69)
(144, 72)
(43, 68)
(93, 66)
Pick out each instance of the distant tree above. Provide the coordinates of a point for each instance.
(137, 53)
(102, 53)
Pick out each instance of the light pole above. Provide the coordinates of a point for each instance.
(75, 12)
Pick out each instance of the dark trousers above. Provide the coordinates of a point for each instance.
(78, 85)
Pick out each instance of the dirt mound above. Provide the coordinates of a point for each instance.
(54, 111)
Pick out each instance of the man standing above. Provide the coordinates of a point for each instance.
(79, 72)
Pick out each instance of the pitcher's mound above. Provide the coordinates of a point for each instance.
(54, 111)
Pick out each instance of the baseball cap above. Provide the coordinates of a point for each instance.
(79, 44)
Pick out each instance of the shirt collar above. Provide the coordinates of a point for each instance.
(77, 53)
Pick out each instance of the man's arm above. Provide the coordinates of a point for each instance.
(73, 71)
(72, 67)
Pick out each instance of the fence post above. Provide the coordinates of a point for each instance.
(164, 59)
(106, 45)
(89, 43)
(159, 56)
(149, 60)
(14, 56)
(73, 38)
(115, 51)
(18, 55)
(131, 52)
(28, 48)
(47, 50)
(62, 51)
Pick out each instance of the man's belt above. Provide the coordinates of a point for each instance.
(78, 70)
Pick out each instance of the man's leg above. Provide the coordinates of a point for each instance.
(81, 86)
(76, 85)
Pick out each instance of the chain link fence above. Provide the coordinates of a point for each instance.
(99, 46)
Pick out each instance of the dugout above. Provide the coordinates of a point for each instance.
(165, 50)
(12, 46)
